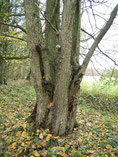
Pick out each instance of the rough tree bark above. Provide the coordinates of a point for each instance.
(51, 36)
(57, 90)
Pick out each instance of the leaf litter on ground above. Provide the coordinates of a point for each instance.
(96, 134)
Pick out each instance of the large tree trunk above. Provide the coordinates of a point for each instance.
(55, 107)
(57, 90)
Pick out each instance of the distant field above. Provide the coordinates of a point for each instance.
(91, 78)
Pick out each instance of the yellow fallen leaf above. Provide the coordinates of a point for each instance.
(36, 153)
(31, 155)
(41, 136)
(13, 146)
(23, 144)
(90, 133)
(24, 125)
(24, 134)
(108, 146)
(18, 133)
(56, 137)
(37, 130)
(48, 137)
(47, 130)
(80, 140)
(103, 133)
(113, 155)
(38, 146)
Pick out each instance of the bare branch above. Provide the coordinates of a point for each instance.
(108, 57)
(87, 33)
(99, 48)
(99, 38)
(81, 70)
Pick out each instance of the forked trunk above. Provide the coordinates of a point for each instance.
(55, 102)
(57, 88)
(60, 120)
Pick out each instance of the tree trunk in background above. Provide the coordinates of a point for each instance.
(4, 9)
(57, 89)
(1, 72)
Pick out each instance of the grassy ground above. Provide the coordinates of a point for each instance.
(95, 136)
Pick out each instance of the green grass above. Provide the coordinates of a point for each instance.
(99, 96)
(99, 87)
(95, 136)
(17, 91)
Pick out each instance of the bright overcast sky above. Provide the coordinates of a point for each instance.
(92, 24)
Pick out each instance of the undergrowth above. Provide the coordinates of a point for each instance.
(95, 136)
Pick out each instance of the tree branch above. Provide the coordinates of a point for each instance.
(17, 58)
(99, 38)
(108, 57)
(81, 70)
(16, 15)
(99, 47)
(15, 26)
(10, 36)
(48, 20)
(87, 33)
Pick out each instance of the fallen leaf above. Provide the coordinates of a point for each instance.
(13, 146)
(41, 136)
(38, 146)
(36, 153)
(113, 155)
(48, 137)
(108, 146)
(79, 140)
(23, 144)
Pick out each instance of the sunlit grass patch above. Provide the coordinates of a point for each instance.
(99, 96)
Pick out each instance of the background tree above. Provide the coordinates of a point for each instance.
(13, 45)
(56, 95)
(4, 9)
